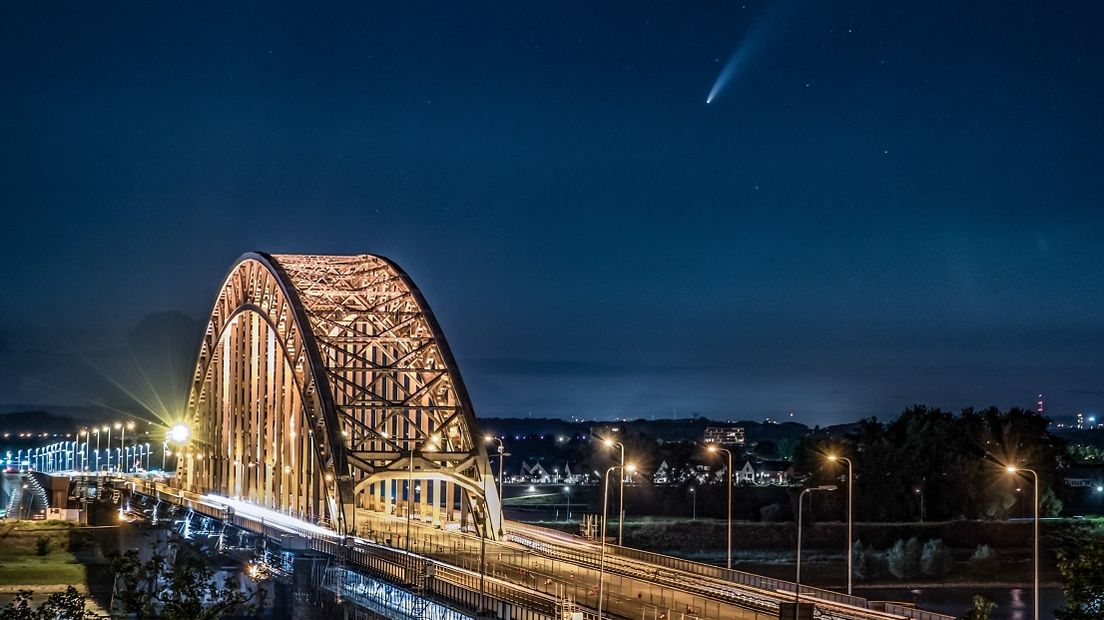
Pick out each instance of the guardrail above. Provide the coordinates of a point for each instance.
(735, 576)
(749, 580)
(914, 614)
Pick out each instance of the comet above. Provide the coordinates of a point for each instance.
(738, 61)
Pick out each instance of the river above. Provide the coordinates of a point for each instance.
(1012, 603)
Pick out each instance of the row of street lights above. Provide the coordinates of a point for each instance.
(627, 468)
(1011, 469)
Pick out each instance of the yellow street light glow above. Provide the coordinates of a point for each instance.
(630, 468)
(832, 457)
(1012, 469)
(608, 442)
(179, 433)
(711, 448)
(118, 425)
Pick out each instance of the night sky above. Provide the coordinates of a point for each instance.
(884, 204)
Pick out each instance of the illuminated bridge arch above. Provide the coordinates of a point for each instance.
(324, 384)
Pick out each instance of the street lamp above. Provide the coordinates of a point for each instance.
(621, 493)
(850, 515)
(694, 495)
(800, 505)
(97, 433)
(605, 508)
(501, 491)
(1012, 469)
(107, 429)
(716, 449)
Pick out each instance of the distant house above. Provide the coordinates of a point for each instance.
(662, 474)
(745, 474)
(774, 472)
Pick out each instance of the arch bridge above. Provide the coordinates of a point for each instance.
(323, 384)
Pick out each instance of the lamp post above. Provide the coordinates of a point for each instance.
(501, 491)
(716, 449)
(602, 554)
(97, 433)
(800, 505)
(107, 429)
(122, 440)
(850, 515)
(694, 503)
(1012, 469)
(621, 492)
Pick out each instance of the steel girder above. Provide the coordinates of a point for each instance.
(324, 383)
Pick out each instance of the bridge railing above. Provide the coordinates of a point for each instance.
(750, 580)
(735, 576)
(912, 613)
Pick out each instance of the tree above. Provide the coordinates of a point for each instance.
(981, 610)
(67, 605)
(183, 590)
(984, 560)
(904, 558)
(1082, 576)
(935, 559)
(136, 581)
(766, 449)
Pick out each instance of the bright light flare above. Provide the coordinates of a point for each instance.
(179, 433)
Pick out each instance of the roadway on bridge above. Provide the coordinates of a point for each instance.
(551, 562)
(547, 560)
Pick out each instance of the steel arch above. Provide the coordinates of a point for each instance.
(324, 383)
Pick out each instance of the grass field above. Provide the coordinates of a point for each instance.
(20, 563)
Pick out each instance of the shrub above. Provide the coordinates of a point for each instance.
(876, 564)
(980, 610)
(935, 559)
(42, 545)
(770, 512)
(984, 560)
(904, 559)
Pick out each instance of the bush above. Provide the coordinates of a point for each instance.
(876, 564)
(984, 561)
(904, 559)
(935, 559)
(770, 513)
(42, 545)
(980, 610)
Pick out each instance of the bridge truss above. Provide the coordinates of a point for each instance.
(324, 384)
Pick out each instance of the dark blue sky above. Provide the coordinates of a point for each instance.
(887, 204)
